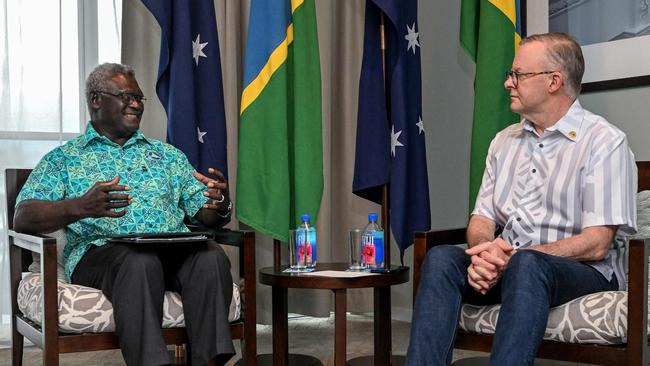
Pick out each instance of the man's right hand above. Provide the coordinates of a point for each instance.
(101, 200)
(489, 259)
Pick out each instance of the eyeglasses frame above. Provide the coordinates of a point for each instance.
(515, 75)
(126, 98)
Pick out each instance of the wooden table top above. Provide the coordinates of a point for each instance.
(276, 277)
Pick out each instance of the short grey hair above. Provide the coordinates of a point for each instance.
(564, 53)
(97, 79)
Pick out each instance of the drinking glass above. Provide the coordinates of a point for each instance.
(355, 246)
(297, 257)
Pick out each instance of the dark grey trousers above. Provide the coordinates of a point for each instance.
(135, 277)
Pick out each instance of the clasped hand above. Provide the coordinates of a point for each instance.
(489, 259)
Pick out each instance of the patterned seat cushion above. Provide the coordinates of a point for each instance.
(85, 309)
(599, 318)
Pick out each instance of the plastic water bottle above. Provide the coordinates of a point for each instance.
(306, 242)
(373, 243)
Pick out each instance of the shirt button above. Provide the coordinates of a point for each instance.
(541, 145)
(534, 170)
(517, 244)
(129, 168)
(518, 218)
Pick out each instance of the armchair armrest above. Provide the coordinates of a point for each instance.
(425, 241)
(31, 242)
(46, 246)
(637, 298)
(245, 241)
(233, 238)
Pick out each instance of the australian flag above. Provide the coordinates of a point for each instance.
(189, 81)
(390, 133)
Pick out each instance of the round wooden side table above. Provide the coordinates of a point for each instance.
(281, 281)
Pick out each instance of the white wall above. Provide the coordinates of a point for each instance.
(629, 110)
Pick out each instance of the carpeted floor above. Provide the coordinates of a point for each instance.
(307, 335)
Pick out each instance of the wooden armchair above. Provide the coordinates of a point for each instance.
(53, 342)
(631, 353)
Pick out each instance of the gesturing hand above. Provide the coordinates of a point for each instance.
(100, 200)
(215, 188)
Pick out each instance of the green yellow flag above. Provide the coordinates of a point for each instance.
(280, 166)
(490, 32)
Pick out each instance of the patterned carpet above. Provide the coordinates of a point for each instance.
(307, 335)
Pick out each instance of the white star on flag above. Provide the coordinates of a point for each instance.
(394, 142)
(197, 49)
(412, 37)
(201, 134)
(420, 125)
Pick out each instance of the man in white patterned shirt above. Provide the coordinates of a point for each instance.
(560, 188)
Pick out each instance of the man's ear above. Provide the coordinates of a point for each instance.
(94, 100)
(557, 81)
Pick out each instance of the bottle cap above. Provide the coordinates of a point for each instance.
(305, 217)
(372, 217)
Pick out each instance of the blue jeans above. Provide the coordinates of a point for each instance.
(532, 283)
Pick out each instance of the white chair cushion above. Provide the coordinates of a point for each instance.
(85, 309)
(599, 318)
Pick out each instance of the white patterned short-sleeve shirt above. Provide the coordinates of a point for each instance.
(542, 188)
(160, 176)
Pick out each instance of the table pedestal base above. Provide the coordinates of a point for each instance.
(294, 360)
(472, 361)
(370, 360)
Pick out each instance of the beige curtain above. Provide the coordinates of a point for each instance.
(340, 28)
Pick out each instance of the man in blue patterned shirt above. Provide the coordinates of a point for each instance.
(112, 181)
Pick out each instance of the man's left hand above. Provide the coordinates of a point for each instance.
(489, 259)
(216, 188)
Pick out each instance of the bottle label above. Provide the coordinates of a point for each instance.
(306, 247)
(379, 247)
(373, 248)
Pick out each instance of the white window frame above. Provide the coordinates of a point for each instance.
(87, 20)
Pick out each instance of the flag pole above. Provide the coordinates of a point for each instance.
(385, 199)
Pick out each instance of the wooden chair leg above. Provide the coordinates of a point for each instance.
(16, 348)
(179, 353)
(248, 351)
(50, 356)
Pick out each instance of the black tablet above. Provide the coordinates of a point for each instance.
(162, 238)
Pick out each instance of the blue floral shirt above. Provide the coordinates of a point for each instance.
(160, 176)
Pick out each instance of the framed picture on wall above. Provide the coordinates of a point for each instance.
(614, 35)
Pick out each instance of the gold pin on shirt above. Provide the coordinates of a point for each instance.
(572, 134)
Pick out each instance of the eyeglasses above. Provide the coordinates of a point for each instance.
(515, 76)
(127, 98)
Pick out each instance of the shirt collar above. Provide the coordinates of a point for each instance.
(570, 125)
(91, 135)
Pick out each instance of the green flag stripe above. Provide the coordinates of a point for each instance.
(493, 52)
(280, 168)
